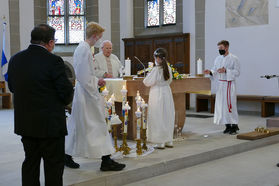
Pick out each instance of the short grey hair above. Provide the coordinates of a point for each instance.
(105, 41)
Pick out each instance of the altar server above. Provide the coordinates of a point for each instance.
(88, 133)
(225, 71)
(160, 119)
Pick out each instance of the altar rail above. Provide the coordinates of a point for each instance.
(6, 97)
(267, 103)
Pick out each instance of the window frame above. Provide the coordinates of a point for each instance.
(67, 16)
(161, 15)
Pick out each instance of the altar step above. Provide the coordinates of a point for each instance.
(192, 151)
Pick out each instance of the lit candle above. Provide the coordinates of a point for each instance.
(126, 108)
(113, 105)
(143, 106)
(138, 115)
(138, 95)
(124, 98)
(138, 101)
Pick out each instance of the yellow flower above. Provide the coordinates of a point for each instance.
(102, 88)
(175, 74)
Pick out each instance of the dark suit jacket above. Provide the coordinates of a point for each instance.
(41, 91)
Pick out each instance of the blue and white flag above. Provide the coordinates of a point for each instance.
(4, 61)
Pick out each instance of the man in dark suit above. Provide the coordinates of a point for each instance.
(41, 91)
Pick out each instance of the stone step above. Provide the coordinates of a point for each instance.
(187, 153)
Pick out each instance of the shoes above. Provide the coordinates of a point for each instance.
(277, 164)
(111, 165)
(234, 129)
(169, 144)
(69, 162)
(228, 128)
(161, 146)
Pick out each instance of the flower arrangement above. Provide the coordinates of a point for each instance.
(175, 74)
(101, 89)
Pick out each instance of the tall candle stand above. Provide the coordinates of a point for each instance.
(144, 123)
(125, 148)
(138, 115)
(114, 129)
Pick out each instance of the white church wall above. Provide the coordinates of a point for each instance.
(4, 9)
(26, 16)
(189, 27)
(126, 24)
(105, 18)
(256, 47)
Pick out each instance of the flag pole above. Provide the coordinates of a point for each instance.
(4, 61)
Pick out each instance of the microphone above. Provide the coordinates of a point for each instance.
(269, 76)
(141, 64)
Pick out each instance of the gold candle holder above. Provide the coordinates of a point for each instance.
(139, 149)
(114, 128)
(144, 146)
(125, 148)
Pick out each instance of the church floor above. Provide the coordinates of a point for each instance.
(203, 144)
(251, 168)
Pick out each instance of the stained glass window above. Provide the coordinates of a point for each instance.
(169, 12)
(56, 7)
(153, 12)
(58, 23)
(76, 29)
(76, 7)
(67, 17)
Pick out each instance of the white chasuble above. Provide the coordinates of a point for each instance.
(225, 101)
(101, 65)
(88, 134)
(161, 112)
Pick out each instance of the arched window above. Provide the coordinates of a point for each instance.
(68, 18)
(160, 12)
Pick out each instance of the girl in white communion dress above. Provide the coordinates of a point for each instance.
(161, 113)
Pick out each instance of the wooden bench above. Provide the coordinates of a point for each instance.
(6, 97)
(267, 103)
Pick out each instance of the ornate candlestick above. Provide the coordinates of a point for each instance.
(124, 99)
(138, 115)
(114, 129)
(105, 93)
(124, 147)
(144, 124)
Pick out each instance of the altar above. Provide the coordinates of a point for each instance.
(179, 87)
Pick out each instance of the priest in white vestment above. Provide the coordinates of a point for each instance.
(225, 71)
(107, 65)
(88, 133)
(161, 112)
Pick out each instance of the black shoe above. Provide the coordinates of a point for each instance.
(228, 128)
(69, 162)
(234, 129)
(111, 165)
(277, 164)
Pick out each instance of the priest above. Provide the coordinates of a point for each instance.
(88, 133)
(225, 71)
(107, 65)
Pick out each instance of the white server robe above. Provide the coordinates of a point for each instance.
(225, 101)
(88, 133)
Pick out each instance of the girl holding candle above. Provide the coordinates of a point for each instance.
(160, 118)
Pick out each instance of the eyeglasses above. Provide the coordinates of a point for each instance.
(55, 40)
